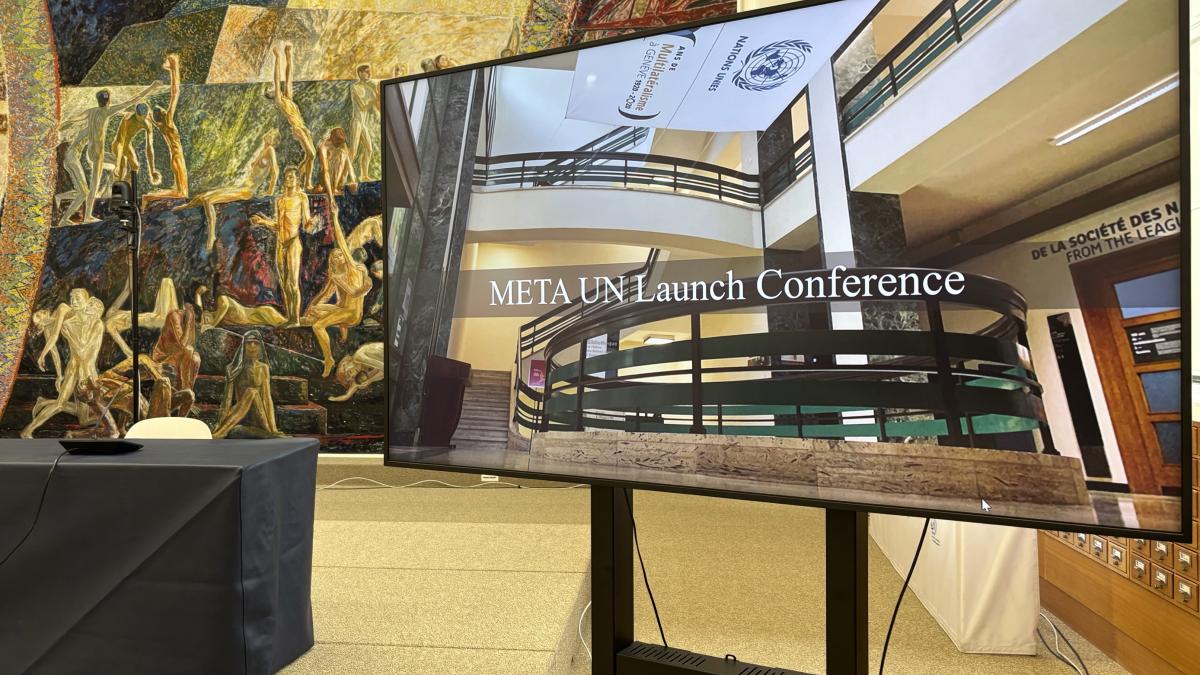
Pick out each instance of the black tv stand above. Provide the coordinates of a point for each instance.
(615, 652)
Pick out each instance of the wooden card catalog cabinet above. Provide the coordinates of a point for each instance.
(1136, 599)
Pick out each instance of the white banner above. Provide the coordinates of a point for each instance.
(736, 76)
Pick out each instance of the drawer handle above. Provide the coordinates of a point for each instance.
(1160, 581)
(1139, 568)
(1185, 561)
(1185, 592)
(1116, 557)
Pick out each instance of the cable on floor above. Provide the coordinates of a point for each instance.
(642, 564)
(37, 513)
(581, 638)
(1056, 652)
(377, 485)
(903, 589)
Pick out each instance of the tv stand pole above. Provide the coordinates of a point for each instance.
(846, 648)
(612, 576)
(615, 652)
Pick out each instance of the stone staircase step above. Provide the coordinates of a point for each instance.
(474, 394)
(476, 383)
(484, 412)
(480, 437)
(17, 416)
(485, 395)
(27, 388)
(285, 389)
(486, 400)
(490, 374)
(482, 429)
(487, 386)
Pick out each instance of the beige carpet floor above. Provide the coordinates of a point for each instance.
(493, 579)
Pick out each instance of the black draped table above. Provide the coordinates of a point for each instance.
(184, 557)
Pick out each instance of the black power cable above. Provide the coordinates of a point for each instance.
(38, 513)
(903, 589)
(642, 564)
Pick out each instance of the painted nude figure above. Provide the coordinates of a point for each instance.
(124, 154)
(369, 229)
(262, 169)
(359, 370)
(176, 347)
(248, 392)
(291, 214)
(79, 322)
(164, 120)
(90, 138)
(281, 92)
(112, 392)
(348, 279)
(230, 312)
(337, 169)
(364, 106)
(443, 62)
(118, 320)
(77, 197)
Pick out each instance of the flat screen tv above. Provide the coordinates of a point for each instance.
(841, 254)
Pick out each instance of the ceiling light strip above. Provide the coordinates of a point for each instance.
(1132, 103)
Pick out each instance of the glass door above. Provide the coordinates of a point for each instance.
(1131, 306)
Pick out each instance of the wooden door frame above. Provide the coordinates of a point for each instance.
(1106, 334)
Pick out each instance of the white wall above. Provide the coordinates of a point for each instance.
(1013, 41)
(792, 216)
(1049, 289)
(618, 216)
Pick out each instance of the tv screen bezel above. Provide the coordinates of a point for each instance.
(1183, 535)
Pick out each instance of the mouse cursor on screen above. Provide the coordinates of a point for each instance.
(984, 505)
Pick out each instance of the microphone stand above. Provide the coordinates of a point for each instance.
(131, 222)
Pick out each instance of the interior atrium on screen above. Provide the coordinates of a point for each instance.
(875, 136)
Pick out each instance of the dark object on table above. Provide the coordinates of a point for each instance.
(99, 447)
(186, 557)
(445, 385)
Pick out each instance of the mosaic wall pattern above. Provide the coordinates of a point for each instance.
(259, 303)
(31, 124)
(224, 240)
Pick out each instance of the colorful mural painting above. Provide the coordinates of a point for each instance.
(251, 128)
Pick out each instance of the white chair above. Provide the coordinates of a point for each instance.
(170, 427)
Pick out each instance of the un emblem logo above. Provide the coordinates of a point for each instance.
(771, 65)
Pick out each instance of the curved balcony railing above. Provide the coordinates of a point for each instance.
(787, 169)
(620, 139)
(941, 30)
(618, 169)
(533, 337)
(920, 383)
